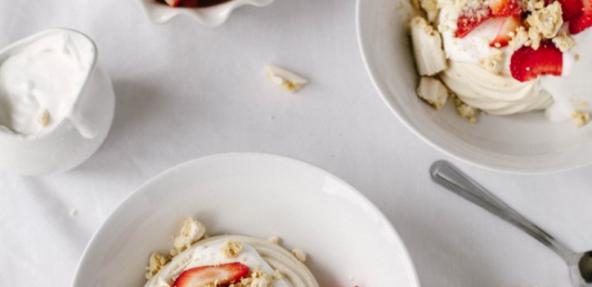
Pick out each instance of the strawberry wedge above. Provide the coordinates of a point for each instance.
(222, 275)
(182, 3)
(471, 18)
(584, 21)
(503, 8)
(572, 9)
(503, 37)
(527, 63)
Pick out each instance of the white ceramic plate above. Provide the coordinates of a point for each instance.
(525, 143)
(345, 236)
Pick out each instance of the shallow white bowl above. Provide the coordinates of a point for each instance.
(209, 16)
(525, 143)
(259, 195)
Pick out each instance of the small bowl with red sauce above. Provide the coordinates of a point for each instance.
(209, 13)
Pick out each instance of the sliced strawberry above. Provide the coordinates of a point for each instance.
(571, 9)
(471, 18)
(223, 275)
(503, 37)
(505, 7)
(527, 63)
(182, 3)
(584, 21)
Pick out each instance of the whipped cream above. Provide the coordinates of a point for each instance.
(496, 92)
(473, 47)
(256, 254)
(40, 83)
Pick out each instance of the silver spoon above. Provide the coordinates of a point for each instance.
(450, 177)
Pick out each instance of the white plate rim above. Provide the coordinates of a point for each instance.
(407, 260)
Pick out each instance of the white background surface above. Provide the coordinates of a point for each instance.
(184, 91)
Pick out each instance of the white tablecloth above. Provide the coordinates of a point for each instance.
(184, 91)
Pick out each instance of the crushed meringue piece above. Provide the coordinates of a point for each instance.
(275, 239)
(431, 9)
(580, 118)
(433, 92)
(544, 23)
(277, 275)
(458, 4)
(494, 63)
(577, 57)
(288, 80)
(155, 263)
(532, 5)
(191, 232)
(564, 42)
(257, 279)
(232, 249)
(44, 118)
(299, 254)
(519, 39)
(260, 282)
(466, 111)
(427, 47)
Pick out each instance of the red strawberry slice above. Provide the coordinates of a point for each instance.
(223, 275)
(527, 63)
(505, 7)
(571, 9)
(182, 3)
(471, 18)
(584, 21)
(503, 37)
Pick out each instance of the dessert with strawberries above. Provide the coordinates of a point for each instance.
(504, 57)
(192, 3)
(198, 260)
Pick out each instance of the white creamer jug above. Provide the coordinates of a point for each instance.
(56, 104)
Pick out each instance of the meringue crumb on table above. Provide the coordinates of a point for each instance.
(44, 118)
(580, 118)
(288, 80)
(433, 92)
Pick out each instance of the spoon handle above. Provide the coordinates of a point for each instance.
(450, 177)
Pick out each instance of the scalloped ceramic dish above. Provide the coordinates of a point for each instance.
(208, 16)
